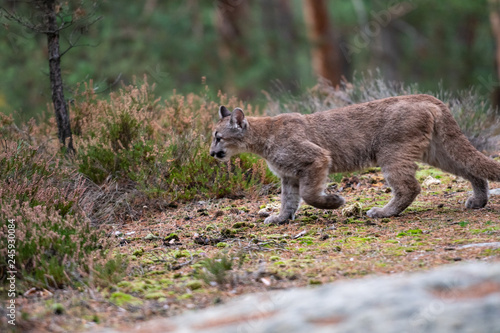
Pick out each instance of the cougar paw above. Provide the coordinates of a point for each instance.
(476, 203)
(275, 219)
(376, 212)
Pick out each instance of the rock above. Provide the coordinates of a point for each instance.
(268, 210)
(355, 209)
(494, 245)
(429, 181)
(458, 298)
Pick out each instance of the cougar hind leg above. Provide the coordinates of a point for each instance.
(313, 185)
(442, 160)
(405, 188)
(479, 198)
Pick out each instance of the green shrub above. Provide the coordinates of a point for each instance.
(216, 269)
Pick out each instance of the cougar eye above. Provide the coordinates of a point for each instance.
(217, 137)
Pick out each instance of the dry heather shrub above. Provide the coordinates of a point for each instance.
(54, 241)
(155, 152)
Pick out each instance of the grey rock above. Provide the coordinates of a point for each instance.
(459, 298)
(494, 245)
(495, 191)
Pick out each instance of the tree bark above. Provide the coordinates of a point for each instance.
(495, 29)
(56, 82)
(277, 18)
(231, 22)
(326, 58)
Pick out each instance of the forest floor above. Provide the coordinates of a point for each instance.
(204, 253)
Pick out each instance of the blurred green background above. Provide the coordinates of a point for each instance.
(247, 47)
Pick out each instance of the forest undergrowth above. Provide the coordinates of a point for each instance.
(141, 221)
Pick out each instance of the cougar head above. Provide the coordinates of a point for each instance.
(229, 134)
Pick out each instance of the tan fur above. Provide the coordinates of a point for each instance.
(392, 133)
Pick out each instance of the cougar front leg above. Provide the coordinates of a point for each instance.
(290, 200)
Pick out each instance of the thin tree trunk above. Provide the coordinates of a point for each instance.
(495, 29)
(277, 18)
(326, 59)
(56, 83)
(231, 21)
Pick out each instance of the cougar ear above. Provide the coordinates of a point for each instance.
(238, 119)
(223, 112)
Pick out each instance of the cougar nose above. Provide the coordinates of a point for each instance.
(212, 153)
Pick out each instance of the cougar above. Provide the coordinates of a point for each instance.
(392, 133)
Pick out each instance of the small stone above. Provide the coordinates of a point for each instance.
(430, 181)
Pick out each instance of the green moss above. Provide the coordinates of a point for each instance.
(228, 232)
(184, 296)
(314, 282)
(122, 299)
(306, 240)
(138, 252)
(222, 245)
(276, 236)
(489, 230)
(137, 286)
(150, 236)
(58, 308)
(308, 219)
(171, 236)
(411, 232)
(158, 272)
(154, 295)
(238, 225)
(180, 254)
(166, 282)
(194, 284)
(124, 284)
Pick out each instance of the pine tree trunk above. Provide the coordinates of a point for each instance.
(495, 29)
(56, 83)
(326, 58)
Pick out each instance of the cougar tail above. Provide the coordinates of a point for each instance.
(458, 155)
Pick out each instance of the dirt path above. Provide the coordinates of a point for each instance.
(206, 253)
